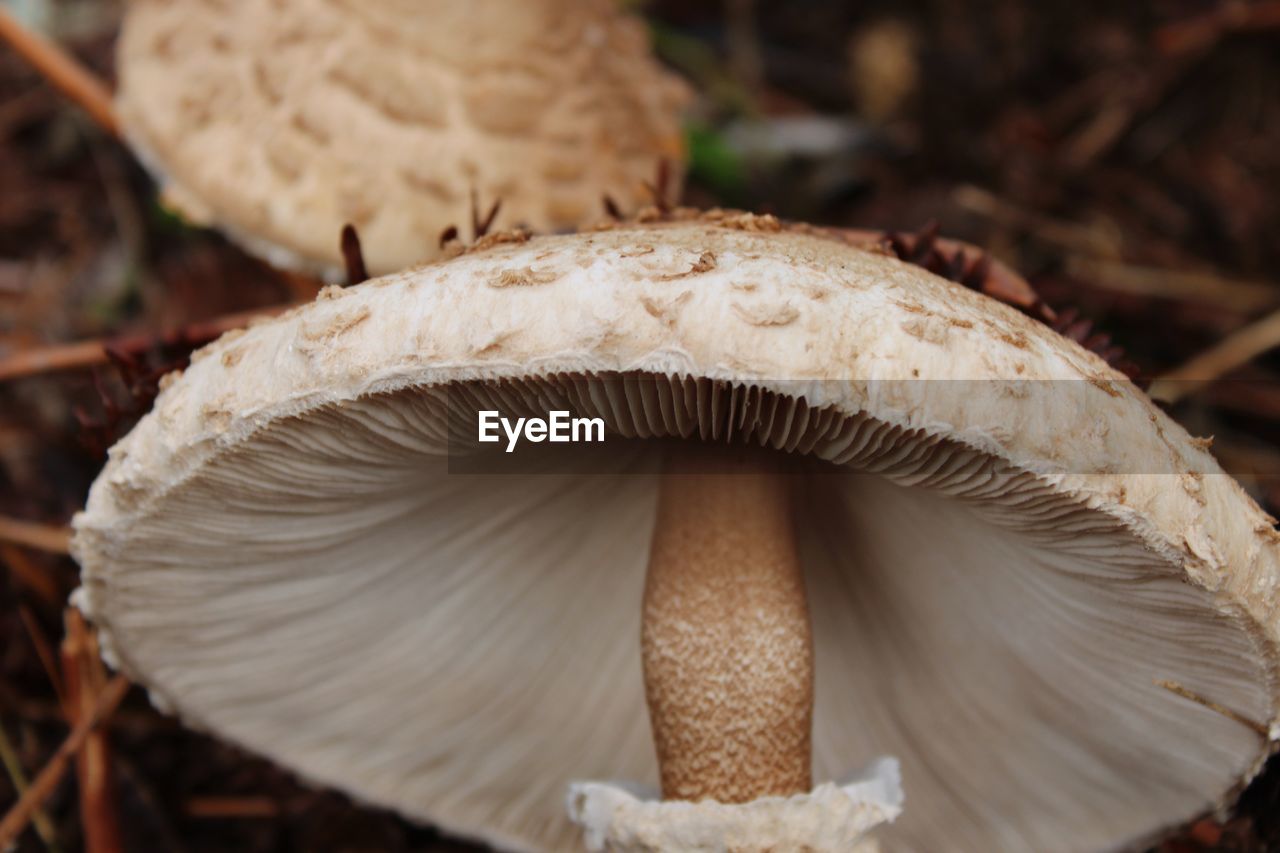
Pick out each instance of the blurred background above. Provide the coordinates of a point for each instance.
(1124, 156)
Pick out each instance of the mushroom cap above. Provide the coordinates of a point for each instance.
(1006, 544)
(281, 122)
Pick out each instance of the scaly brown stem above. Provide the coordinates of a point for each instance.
(726, 642)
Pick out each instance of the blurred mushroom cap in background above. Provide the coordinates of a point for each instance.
(280, 122)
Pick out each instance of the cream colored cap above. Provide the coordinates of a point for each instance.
(1006, 545)
(280, 122)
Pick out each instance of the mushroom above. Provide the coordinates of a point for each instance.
(281, 122)
(849, 510)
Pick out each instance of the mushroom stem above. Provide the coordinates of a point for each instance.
(726, 641)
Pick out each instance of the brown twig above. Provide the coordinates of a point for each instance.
(1202, 32)
(660, 189)
(84, 679)
(42, 537)
(480, 225)
(1203, 288)
(62, 71)
(1252, 392)
(1233, 351)
(352, 255)
(30, 575)
(47, 780)
(44, 652)
(611, 208)
(231, 807)
(52, 358)
(1124, 103)
(90, 353)
(1085, 239)
(13, 767)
